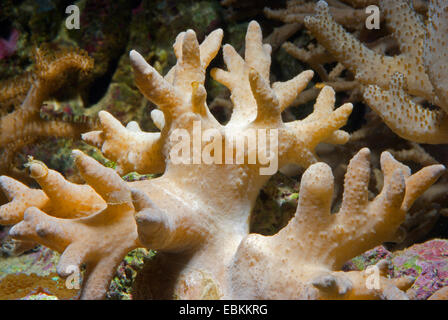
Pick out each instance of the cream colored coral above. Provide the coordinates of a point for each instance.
(58, 197)
(405, 117)
(349, 13)
(196, 214)
(419, 70)
(190, 217)
(133, 149)
(435, 52)
(312, 248)
(99, 240)
(367, 65)
(131, 153)
(297, 10)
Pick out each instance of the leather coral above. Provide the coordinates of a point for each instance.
(315, 244)
(24, 125)
(197, 213)
(392, 82)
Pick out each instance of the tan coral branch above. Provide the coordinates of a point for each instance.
(100, 240)
(313, 246)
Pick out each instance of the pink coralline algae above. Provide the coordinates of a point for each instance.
(426, 262)
(9, 46)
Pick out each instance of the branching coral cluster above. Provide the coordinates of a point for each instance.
(392, 74)
(349, 13)
(392, 83)
(297, 10)
(325, 241)
(198, 214)
(24, 124)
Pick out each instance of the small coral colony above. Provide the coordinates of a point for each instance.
(301, 161)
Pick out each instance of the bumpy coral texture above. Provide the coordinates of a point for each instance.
(420, 70)
(196, 215)
(350, 14)
(326, 241)
(297, 10)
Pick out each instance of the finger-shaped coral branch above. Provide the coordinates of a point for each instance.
(66, 199)
(268, 109)
(100, 240)
(405, 117)
(257, 57)
(417, 183)
(198, 60)
(359, 286)
(297, 10)
(24, 125)
(263, 105)
(367, 65)
(322, 125)
(154, 87)
(171, 94)
(257, 54)
(256, 104)
(287, 91)
(316, 242)
(58, 197)
(135, 150)
(20, 198)
(419, 70)
(132, 150)
(435, 53)
(188, 67)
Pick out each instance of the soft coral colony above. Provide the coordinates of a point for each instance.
(396, 87)
(198, 215)
(28, 92)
